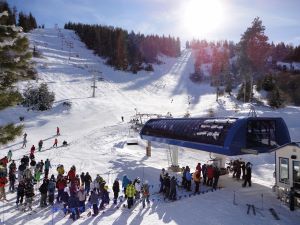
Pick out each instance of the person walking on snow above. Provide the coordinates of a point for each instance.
(57, 131)
(145, 193)
(130, 192)
(47, 167)
(9, 155)
(87, 183)
(32, 150)
(161, 179)
(24, 140)
(51, 189)
(105, 198)
(125, 183)
(116, 190)
(40, 145)
(122, 117)
(3, 181)
(55, 143)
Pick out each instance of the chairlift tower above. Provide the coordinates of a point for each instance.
(94, 81)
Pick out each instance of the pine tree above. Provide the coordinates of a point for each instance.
(253, 50)
(14, 65)
(38, 98)
(275, 98)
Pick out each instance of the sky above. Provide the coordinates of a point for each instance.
(187, 19)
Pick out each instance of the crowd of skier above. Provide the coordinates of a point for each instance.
(77, 191)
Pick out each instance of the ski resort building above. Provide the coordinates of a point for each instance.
(287, 170)
(221, 136)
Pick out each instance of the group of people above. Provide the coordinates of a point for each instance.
(209, 173)
(40, 143)
(135, 191)
(242, 170)
(74, 191)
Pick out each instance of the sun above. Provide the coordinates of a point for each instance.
(201, 17)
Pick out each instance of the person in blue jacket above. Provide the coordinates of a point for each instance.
(125, 183)
(188, 177)
(73, 204)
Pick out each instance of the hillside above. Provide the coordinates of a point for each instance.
(97, 136)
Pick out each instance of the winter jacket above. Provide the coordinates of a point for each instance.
(173, 183)
(130, 191)
(167, 181)
(198, 167)
(138, 187)
(196, 176)
(51, 186)
(21, 189)
(12, 166)
(82, 176)
(162, 176)
(145, 190)
(37, 175)
(105, 196)
(216, 173)
(9, 154)
(28, 191)
(32, 150)
(4, 161)
(204, 170)
(188, 176)
(61, 184)
(94, 198)
(73, 202)
(95, 184)
(71, 174)
(81, 195)
(116, 187)
(210, 172)
(12, 176)
(87, 180)
(125, 182)
(22, 167)
(60, 169)
(3, 181)
(66, 195)
(47, 165)
(27, 173)
(44, 188)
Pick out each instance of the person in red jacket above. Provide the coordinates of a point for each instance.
(72, 173)
(210, 175)
(57, 131)
(3, 181)
(55, 143)
(4, 161)
(32, 150)
(61, 183)
(198, 167)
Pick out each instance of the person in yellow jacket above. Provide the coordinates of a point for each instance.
(130, 192)
(197, 178)
(60, 169)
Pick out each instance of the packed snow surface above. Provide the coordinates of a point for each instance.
(97, 136)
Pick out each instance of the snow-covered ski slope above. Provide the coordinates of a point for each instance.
(97, 136)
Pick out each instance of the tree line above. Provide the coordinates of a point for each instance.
(124, 50)
(27, 22)
(250, 62)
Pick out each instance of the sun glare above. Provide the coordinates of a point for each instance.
(201, 17)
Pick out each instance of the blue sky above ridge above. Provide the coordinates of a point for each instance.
(281, 18)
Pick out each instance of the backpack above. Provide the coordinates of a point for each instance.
(3, 171)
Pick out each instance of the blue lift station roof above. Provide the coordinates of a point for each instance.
(226, 136)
